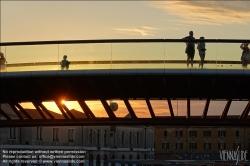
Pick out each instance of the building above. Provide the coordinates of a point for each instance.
(199, 142)
(100, 142)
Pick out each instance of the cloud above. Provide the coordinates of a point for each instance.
(143, 31)
(206, 12)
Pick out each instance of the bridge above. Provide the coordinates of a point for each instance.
(122, 70)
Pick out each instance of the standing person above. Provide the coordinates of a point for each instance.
(2, 62)
(202, 52)
(245, 48)
(190, 50)
(65, 63)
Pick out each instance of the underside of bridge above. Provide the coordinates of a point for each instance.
(134, 84)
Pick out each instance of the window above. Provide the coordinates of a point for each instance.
(221, 146)
(39, 133)
(105, 136)
(12, 133)
(138, 138)
(56, 134)
(178, 145)
(130, 138)
(236, 145)
(165, 145)
(192, 145)
(179, 133)
(207, 133)
(90, 135)
(193, 133)
(165, 134)
(71, 135)
(221, 133)
(207, 145)
(98, 136)
(237, 135)
(122, 137)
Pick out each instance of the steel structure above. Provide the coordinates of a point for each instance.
(124, 84)
(104, 85)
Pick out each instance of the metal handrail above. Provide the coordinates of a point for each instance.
(122, 62)
(123, 41)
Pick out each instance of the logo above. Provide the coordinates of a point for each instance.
(237, 155)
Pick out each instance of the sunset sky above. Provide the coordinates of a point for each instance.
(70, 20)
(169, 19)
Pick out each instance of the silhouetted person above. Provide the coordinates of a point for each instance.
(202, 52)
(65, 63)
(2, 62)
(245, 48)
(190, 50)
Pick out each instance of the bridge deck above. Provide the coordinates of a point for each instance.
(148, 84)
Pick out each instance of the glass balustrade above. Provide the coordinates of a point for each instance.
(119, 55)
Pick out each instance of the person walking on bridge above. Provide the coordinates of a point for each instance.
(2, 62)
(190, 48)
(65, 63)
(244, 58)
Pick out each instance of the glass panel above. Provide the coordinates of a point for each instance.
(211, 56)
(2, 49)
(87, 56)
(237, 107)
(160, 107)
(75, 109)
(31, 110)
(32, 57)
(175, 55)
(229, 56)
(137, 55)
(197, 107)
(8, 110)
(54, 110)
(216, 108)
(177, 58)
(122, 110)
(140, 108)
(179, 107)
(97, 108)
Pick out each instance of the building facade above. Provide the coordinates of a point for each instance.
(99, 142)
(201, 142)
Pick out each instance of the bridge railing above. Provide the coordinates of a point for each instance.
(119, 54)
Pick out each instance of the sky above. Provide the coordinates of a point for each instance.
(81, 20)
(72, 20)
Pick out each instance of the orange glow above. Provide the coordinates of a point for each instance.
(63, 101)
